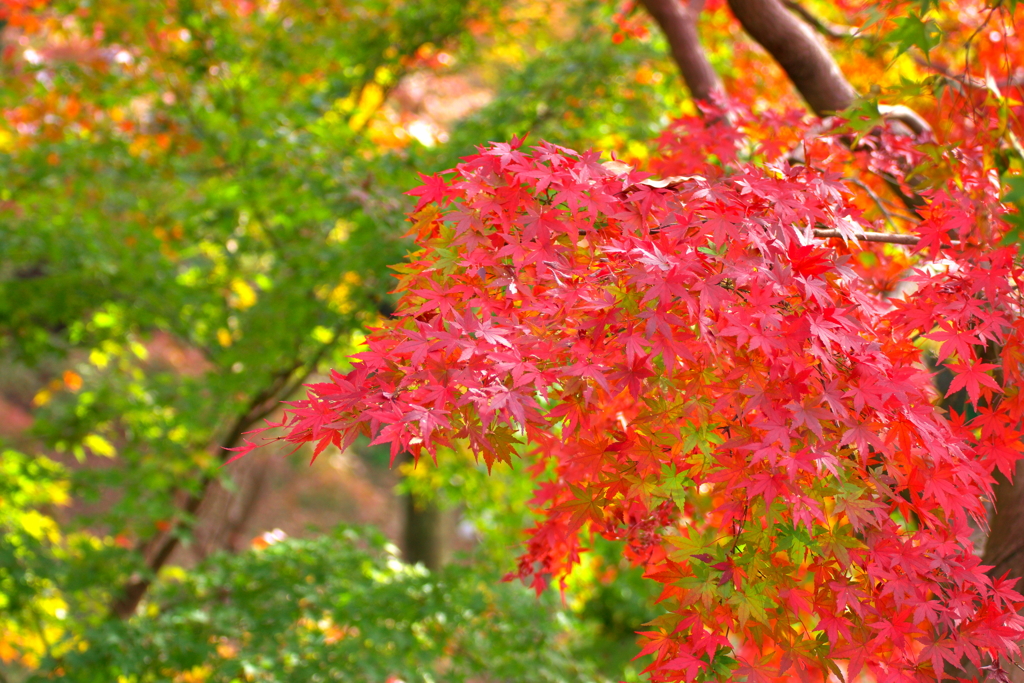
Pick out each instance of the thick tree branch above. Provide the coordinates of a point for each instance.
(679, 24)
(794, 46)
(907, 116)
(813, 71)
(799, 52)
(807, 62)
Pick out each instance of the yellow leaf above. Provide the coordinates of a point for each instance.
(322, 334)
(370, 99)
(245, 295)
(140, 351)
(196, 674)
(39, 526)
(340, 232)
(339, 298)
(100, 446)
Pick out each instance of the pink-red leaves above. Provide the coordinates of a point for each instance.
(707, 383)
(954, 340)
(583, 507)
(434, 190)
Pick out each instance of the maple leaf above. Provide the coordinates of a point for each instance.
(433, 190)
(660, 643)
(632, 376)
(972, 376)
(507, 153)
(756, 672)
(584, 507)
(687, 663)
(954, 339)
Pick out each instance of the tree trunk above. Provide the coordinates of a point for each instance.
(427, 535)
(1004, 549)
(428, 531)
(679, 24)
(799, 52)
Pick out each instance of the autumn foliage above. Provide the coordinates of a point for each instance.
(686, 365)
(726, 363)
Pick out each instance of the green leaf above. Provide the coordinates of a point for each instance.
(913, 31)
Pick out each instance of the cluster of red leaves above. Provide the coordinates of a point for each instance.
(719, 390)
(629, 22)
(19, 12)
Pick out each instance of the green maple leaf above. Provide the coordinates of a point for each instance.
(913, 31)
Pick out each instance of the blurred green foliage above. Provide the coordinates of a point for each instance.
(338, 607)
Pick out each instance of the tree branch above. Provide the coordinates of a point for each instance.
(799, 52)
(875, 198)
(888, 237)
(814, 72)
(907, 116)
(965, 79)
(679, 24)
(259, 406)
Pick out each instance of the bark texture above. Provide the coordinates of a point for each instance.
(1004, 549)
(794, 45)
(679, 24)
(428, 531)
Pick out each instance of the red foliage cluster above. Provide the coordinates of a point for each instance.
(718, 389)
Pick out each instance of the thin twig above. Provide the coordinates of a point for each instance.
(912, 202)
(887, 237)
(966, 79)
(878, 200)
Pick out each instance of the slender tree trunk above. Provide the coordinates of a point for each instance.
(1004, 549)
